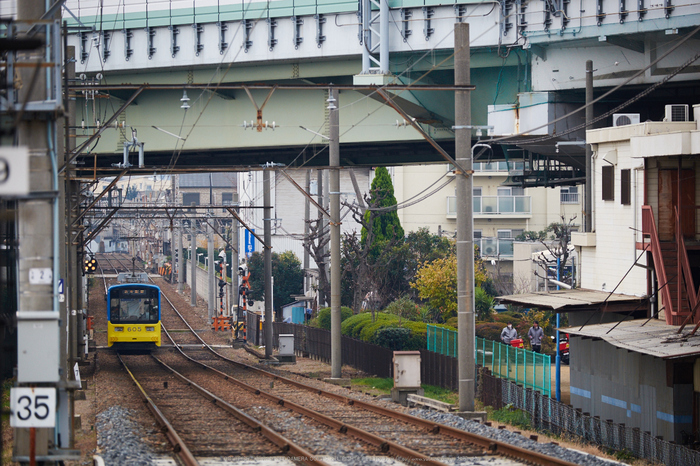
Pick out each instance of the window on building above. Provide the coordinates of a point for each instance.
(517, 191)
(189, 198)
(227, 198)
(569, 195)
(477, 234)
(476, 191)
(608, 183)
(625, 187)
(503, 191)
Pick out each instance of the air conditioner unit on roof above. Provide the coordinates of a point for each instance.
(676, 112)
(623, 119)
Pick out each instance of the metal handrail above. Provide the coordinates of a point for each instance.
(684, 265)
(649, 229)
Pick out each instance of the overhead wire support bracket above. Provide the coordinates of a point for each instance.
(307, 195)
(251, 231)
(108, 124)
(425, 135)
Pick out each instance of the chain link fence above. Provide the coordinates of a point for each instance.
(550, 415)
(532, 370)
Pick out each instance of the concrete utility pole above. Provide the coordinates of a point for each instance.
(465, 223)
(588, 206)
(267, 214)
(334, 192)
(307, 217)
(193, 262)
(180, 258)
(41, 326)
(235, 240)
(211, 270)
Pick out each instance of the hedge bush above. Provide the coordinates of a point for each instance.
(323, 319)
(362, 327)
(396, 339)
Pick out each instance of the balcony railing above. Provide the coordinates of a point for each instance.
(568, 198)
(494, 205)
(498, 166)
(495, 247)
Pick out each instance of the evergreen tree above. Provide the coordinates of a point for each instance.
(386, 225)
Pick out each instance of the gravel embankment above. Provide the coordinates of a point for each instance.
(504, 435)
(120, 441)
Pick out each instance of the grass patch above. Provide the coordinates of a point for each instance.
(441, 394)
(510, 415)
(376, 384)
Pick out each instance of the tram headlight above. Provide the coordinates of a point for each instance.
(150, 329)
(118, 329)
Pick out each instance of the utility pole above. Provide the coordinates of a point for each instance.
(211, 270)
(180, 258)
(588, 206)
(307, 218)
(334, 194)
(43, 360)
(235, 240)
(267, 214)
(465, 223)
(193, 262)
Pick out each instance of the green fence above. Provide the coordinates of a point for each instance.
(529, 369)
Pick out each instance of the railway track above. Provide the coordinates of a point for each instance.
(389, 432)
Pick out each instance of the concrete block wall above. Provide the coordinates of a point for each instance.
(203, 283)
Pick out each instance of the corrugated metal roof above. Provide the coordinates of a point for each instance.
(571, 300)
(201, 180)
(652, 337)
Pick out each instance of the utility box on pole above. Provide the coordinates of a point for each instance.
(38, 347)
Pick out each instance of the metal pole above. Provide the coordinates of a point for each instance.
(307, 217)
(588, 207)
(193, 263)
(211, 270)
(235, 240)
(334, 193)
(268, 262)
(384, 16)
(465, 223)
(180, 260)
(557, 360)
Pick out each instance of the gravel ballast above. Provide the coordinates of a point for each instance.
(503, 435)
(120, 441)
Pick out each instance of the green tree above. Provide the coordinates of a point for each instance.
(288, 274)
(436, 283)
(386, 225)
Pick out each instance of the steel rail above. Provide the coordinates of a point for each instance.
(179, 446)
(494, 446)
(386, 446)
(287, 446)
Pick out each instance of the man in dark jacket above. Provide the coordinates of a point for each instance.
(535, 334)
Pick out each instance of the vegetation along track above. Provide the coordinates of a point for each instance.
(395, 433)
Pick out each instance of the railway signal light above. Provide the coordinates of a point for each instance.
(90, 265)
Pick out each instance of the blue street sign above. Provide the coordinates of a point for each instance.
(60, 286)
(249, 244)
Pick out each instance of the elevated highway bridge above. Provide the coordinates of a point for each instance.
(527, 66)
